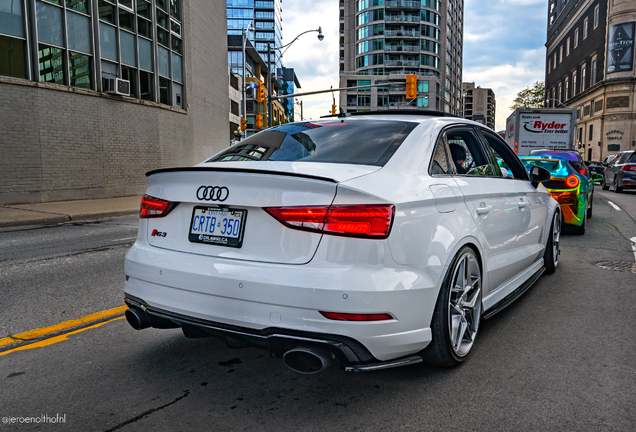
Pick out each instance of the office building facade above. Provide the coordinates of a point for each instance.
(479, 104)
(590, 67)
(382, 41)
(67, 134)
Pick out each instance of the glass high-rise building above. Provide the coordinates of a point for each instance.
(384, 40)
(267, 18)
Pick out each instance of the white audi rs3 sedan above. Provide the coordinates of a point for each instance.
(368, 240)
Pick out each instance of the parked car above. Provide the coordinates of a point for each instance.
(350, 239)
(573, 156)
(608, 159)
(621, 172)
(573, 191)
(596, 169)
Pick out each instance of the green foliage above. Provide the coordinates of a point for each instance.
(530, 97)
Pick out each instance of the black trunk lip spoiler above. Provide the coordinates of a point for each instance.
(239, 170)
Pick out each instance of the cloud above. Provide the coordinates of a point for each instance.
(315, 62)
(507, 79)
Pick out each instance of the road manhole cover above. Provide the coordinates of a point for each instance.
(621, 266)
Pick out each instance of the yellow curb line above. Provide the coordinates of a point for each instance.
(33, 334)
(56, 339)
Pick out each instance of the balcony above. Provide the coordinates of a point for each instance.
(401, 33)
(402, 48)
(401, 63)
(391, 4)
(402, 18)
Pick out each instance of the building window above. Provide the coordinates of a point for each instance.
(573, 84)
(51, 64)
(559, 95)
(591, 108)
(567, 89)
(576, 38)
(554, 62)
(585, 27)
(591, 134)
(593, 75)
(66, 38)
(567, 47)
(561, 54)
(597, 12)
(583, 78)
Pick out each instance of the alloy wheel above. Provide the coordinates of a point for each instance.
(556, 237)
(464, 306)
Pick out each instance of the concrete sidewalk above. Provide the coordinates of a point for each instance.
(53, 213)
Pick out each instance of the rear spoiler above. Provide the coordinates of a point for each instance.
(240, 170)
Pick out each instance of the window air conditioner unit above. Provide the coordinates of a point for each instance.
(116, 86)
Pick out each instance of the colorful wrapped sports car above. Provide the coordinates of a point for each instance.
(572, 190)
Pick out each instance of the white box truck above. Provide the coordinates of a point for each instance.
(530, 129)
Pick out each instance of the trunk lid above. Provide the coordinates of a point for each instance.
(249, 186)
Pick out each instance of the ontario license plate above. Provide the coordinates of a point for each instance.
(218, 226)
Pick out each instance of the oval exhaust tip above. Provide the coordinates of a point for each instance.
(137, 319)
(307, 360)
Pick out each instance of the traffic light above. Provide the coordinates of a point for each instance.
(411, 86)
(243, 124)
(260, 92)
(258, 121)
(333, 109)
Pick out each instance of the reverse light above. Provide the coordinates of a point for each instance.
(364, 221)
(152, 207)
(356, 317)
(572, 181)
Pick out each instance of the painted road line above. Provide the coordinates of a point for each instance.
(127, 238)
(614, 205)
(55, 339)
(34, 334)
(633, 240)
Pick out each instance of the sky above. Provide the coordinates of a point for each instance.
(504, 48)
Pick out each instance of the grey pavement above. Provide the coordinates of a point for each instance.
(54, 213)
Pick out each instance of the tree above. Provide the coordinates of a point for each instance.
(530, 97)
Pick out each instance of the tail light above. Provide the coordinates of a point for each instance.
(583, 172)
(629, 168)
(572, 181)
(364, 221)
(516, 147)
(356, 317)
(152, 207)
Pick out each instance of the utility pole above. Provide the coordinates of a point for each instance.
(269, 84)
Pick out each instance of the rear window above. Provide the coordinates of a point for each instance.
(550, 165)
(361, 142)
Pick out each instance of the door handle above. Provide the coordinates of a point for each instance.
(483, 209)
(522, 204)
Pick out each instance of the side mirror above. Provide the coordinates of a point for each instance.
(538, 175)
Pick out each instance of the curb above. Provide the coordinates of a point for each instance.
(62, 219)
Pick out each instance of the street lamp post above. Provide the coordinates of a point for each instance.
(269, 68)
(250, 27)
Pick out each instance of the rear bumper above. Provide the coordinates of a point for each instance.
(222, 297)
(572, 203)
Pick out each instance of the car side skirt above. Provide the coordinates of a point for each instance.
(506, 301)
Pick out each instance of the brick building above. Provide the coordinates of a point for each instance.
(590, 67)
(64, 137)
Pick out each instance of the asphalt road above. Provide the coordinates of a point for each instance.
(562, 357)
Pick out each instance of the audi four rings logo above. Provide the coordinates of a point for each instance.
(213, 193)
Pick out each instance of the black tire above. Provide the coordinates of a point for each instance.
(617, 189)
(589, 209)
(442, 351)
(603, 185)
(551, 254)
(580, 230)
